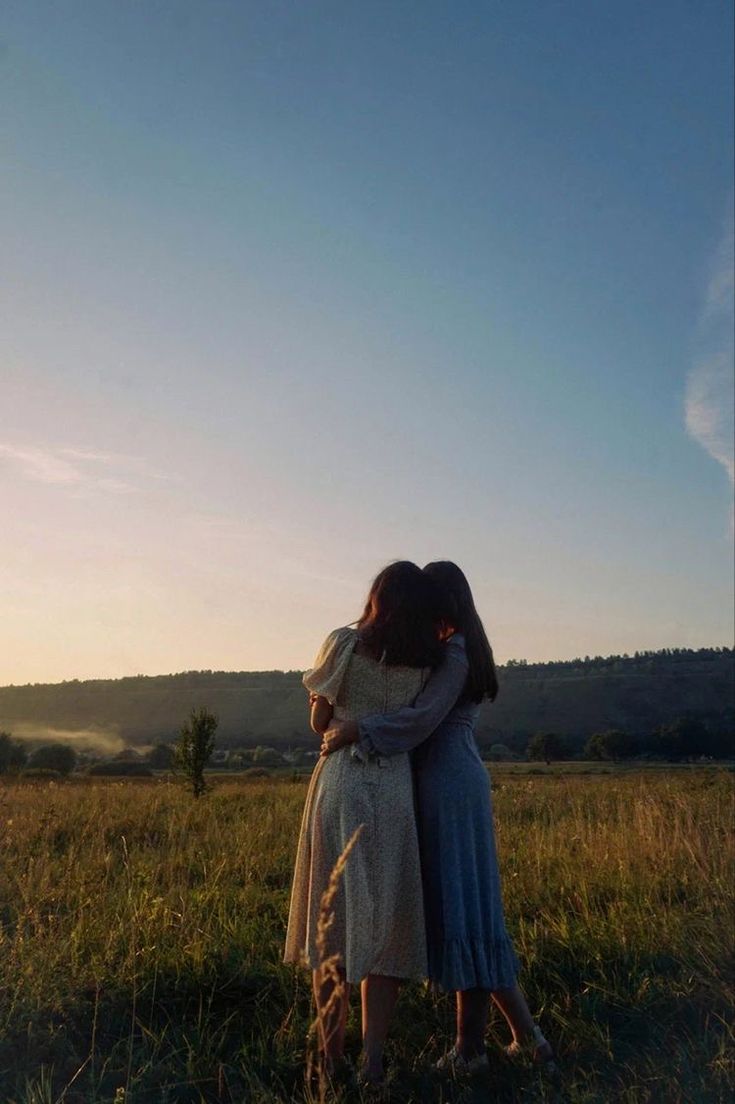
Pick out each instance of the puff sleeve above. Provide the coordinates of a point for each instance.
(326, 676)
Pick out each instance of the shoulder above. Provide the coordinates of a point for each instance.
(325, 677)
(341, 636)
(338, 640)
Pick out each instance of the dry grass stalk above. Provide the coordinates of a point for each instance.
(330, 978)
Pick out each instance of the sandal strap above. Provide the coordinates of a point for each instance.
(529, 1045)
(453, 1062)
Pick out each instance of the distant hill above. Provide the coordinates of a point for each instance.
(577, 697)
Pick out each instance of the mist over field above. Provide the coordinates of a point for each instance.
(93, 740)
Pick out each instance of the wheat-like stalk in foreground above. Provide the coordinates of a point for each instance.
(328, 970)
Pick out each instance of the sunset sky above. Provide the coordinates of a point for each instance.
(291, 289)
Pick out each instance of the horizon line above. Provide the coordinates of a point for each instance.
(512, 663)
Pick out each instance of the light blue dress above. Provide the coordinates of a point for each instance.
(468, 945)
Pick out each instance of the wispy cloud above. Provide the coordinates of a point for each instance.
(709, 404)
(78, 468)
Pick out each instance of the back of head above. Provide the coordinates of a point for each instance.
(457, 610)
(400, 621)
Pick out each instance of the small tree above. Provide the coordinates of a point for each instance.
(195, 746)
(12, 753)
(57, 757)
(501, 753)
(596, 747)
(610, 745)
(161, 756)
(546, 746)
(268, 757)
(684, 738)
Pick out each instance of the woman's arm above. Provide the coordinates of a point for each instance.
(407, 727)
(321, 713)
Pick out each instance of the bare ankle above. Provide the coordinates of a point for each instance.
(469, 1048)
(372, 1065)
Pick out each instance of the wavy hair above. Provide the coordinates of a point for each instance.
(400, 622)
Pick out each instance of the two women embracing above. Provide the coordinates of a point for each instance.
(396, 699)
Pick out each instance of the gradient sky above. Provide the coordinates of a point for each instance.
(291, 289)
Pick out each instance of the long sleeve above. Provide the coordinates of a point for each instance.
(407, 727)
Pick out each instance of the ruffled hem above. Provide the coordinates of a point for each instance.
(473, 964)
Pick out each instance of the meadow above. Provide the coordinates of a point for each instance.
(141, 935)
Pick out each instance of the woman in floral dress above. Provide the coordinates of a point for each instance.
(377, 928)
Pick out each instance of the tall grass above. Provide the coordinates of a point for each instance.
(141, 936)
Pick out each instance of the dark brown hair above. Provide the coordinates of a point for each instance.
(457, 609)
(399, 624)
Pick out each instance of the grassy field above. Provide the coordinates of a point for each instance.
(141, 934)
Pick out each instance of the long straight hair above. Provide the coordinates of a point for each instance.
(457, 610)
(400, 622)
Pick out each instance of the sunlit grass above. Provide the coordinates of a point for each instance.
(141, 936)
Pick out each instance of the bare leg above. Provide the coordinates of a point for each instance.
(512, 1004)
(472, 1011)
(332, 1001)
(379, 995)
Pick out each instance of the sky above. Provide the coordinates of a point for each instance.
(290, 290)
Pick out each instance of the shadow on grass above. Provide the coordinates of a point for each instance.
(171, 1039)
(240, 1038)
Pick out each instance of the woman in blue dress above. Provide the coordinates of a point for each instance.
(469, 950)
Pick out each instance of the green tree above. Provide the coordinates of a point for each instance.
(501, 753)
(12, 753)
(268, 757)
(596, 748)
(195, 746)
(58, 757)
(610, 745)
(685, 738)
(547, 746)
(161, 757)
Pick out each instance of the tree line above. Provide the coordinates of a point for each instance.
(576, 697)
(686, 738)
(641, 660)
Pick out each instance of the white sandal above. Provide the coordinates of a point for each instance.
(454, 1064)
(531, 1047)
